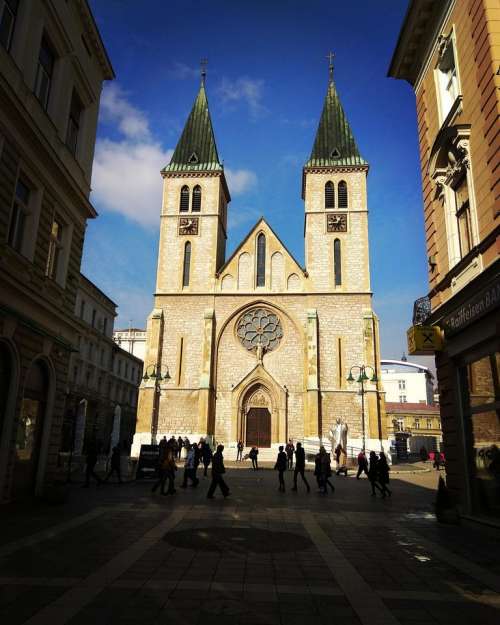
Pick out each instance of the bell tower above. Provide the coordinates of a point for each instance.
(336, 213)
(194, 208)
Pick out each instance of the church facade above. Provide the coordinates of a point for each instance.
(256, 347)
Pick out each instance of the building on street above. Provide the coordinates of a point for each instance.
(132, 340)
(255, 346)
(405, 381)
(449, 52)
(412, 426)
(52, 67)
(101, 401)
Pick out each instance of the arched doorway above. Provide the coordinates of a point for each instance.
(257, 412)
(30, 427)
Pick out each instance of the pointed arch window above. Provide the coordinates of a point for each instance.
(261, 259)
(184, 203)
(337, 262)
(196, 203)
(342, 193)
(329, 195)
(187, 264)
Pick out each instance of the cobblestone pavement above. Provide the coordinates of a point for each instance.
(119, 554)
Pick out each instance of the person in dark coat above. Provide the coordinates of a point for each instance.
(239, 452)
(300, 465)
(254, 452)
(323, 470)
(206, 456)
(281, 466)
(115, 465)
(362, 464)
(383, 474)
(166, 471)
(218, 471)
(289, 449)
(180, 445)
(91, 461)
(373, 475)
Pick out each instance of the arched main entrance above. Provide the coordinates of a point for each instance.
(257, 410)
(30, 427)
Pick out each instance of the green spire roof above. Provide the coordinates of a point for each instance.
(196, 150)
(334, 144)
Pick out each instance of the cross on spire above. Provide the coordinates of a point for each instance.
(203, 67)
(330, 57)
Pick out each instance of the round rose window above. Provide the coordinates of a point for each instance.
(259, 327)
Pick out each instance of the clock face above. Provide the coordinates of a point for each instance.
(336, 222)
(188, 225)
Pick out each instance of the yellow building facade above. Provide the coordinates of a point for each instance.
(257, 347)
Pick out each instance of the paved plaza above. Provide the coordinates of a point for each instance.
(119, 554)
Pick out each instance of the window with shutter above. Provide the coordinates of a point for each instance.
(184, 203)
(342, 192)
(329, 195)
(196, 205)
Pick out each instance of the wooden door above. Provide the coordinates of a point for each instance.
(258, 427)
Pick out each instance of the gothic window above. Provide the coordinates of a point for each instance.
(261, 260)
(462, 208)
(196, 205)
(187, 264)
(337, 262)
(184, 203)
(329, 195)
(342, 191)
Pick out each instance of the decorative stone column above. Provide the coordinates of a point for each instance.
(311, 425)
(205, 390)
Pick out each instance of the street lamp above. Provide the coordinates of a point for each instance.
(157, 378)
(362, 378)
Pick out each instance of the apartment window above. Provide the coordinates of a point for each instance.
(20, 213)
(75, 374)
(8, 12)
(105, 326)
(75, 113)
(94, 313)
(82, 309)
(126, 369)
(400, 423)
(447, 79)
(44, 72)
(402, 385)
(90, 352)
(102, 356)
(416, 424)
(429, 424)
(402, 399)
(55, 250)
(462, 207)
(119, 367)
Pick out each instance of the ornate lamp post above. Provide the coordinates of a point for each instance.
(156, 377)
(362, 378)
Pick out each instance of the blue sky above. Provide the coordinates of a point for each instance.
(267, 78)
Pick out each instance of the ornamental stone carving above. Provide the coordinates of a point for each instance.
(259, 331)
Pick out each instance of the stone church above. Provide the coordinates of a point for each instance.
(255, 346)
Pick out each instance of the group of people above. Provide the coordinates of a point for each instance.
(91, 457)
(196, 454)
(436, 457)
(377, 471)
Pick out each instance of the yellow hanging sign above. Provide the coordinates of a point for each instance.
(424, 340)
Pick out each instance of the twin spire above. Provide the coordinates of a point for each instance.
(334, 144)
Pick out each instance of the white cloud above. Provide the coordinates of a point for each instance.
(126, 179)
(182, 71)
(240, 181)
(238, 217)
(247, 90)
(117, 110)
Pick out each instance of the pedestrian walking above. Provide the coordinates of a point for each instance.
(289, 449)
(162, 448)
(362, 464)
(206, 456)
(281, 466)
(323, 470)
(300, 465)
(383, 474)
(166, 471)
(115, 465)
(218, 471)
(373, 475)
(254, 452)
(239, 452)
(190, 468)
(91, 461)
(180, 445)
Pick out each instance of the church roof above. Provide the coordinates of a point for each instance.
(196, 149)
(334, 144)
